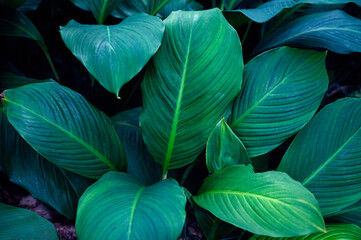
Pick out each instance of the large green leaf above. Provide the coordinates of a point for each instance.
(325, 155)
(224, 149)
(45, 181)
(140, 163)
(334, 232)
(100, 8)
(334, 30)
(16, 24)
(114, 54)
(118, 206)
(270, 9)
(351, 214)
(19, 223)
(269, 203)
(64, 128)
(189, 85)
(279, 98)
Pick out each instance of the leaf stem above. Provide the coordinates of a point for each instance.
(246, 32)
(47, 55)
(214, 3)
(186, 173)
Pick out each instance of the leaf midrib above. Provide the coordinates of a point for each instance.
(328, 160)
(132, 211)
(71, 135)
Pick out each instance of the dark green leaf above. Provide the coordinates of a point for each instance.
(19, 223)
(9, 80)
(29, 5)
(325, 155)
(334, 232)
(45, 181)
(140, 163)
(279, 98)
(351, 214)
(224, 149)
(114, 54)
(231, 4)
(118, 206)
(269, 203)
(334, 30)
(189, 85)
(64, 128)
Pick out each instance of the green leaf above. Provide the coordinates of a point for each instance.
(334, 232)
(100, 8)
(140, 164)
(118, 206)
(270, 9)
(351, 214)
(19, 223)
(16, 24)
(279, 98)
(9, 80)
(189, 85)
(325, 155)
(231, 4)
(334, 30)
(269, 203)
(29, 5)
(64, 128)
(175, 5)
(224, 149)
(45, 181)
(114, 54)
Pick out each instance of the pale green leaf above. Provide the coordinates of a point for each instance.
(64, 128)
(224, 149)
(325, 155)
(20, 223)
(114, 54)
(269, 203)
(334, 30)
(279, 98)
(189, 85)
(118, 206)
(334, 232)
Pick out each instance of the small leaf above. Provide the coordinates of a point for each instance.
(334, 232)
(325, 156)
(118, 206)
(64, 128)
(20, 223)
(114, 54)
(44, 181)
(279, 98)
(140, 164)
(269, 203)
(334, 30)
(224, 149)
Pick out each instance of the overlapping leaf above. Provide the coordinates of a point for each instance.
(189, 85)
(325, 156)
(10, 80)
(334, 232)
(334, 30)
(279, 98)
(19, 223)
(118, 206)
(45, 181)
(114, 54)
(140, 163)
(351, 214)
(224, 149)
(64, 128)
(269, 203)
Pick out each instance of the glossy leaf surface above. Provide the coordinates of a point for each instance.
(268, 10)
(279, 98)
(20, 223)
(334, 30)
(64, 128)
(269, 203)
(140, 163)
(325, 155)
(189, 85)
(118, 206)
(224, 149)
(44, 180)
(334, 232)
(114, 54)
